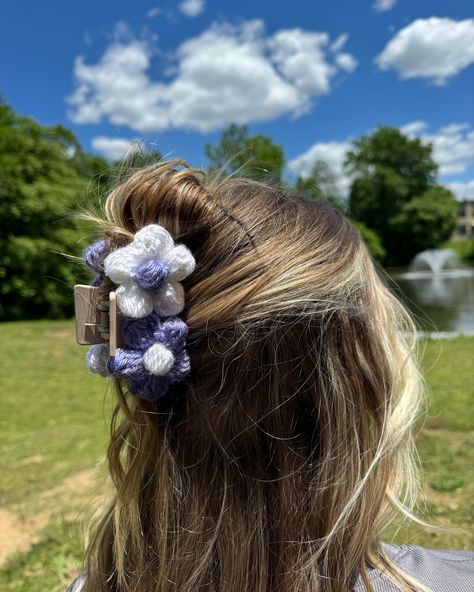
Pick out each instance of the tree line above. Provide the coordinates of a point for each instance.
(46, 179)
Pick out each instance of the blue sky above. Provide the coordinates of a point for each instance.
(313, 75)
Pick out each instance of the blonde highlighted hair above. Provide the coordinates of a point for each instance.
(278, 464)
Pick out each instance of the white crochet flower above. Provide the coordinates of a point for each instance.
(151, 243)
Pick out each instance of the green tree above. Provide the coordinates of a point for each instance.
(372, 240)
(254, 157)
(429, 220)
(321, 183)
(390, 170)
(44, 178)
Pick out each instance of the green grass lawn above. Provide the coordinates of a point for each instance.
(53, 432)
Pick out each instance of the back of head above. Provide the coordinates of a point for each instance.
(277, 463)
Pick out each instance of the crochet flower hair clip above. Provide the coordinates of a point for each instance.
(150, 297)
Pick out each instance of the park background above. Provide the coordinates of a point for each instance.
(370, 107)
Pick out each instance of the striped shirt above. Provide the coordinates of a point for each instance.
(440, 571)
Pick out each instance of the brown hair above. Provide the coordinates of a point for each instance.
(278, 463)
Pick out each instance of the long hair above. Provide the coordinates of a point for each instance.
(279, 462)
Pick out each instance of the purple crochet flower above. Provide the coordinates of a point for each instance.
(94, 257)
(154, 357)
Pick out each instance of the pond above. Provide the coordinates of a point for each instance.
(441, 298)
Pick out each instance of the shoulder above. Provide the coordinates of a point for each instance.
(439, 570)
(77, 585)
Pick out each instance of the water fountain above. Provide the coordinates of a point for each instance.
(439, 289)
(436, 260)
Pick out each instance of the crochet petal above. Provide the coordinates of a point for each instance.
(153, 241)
(98, 280)
(120, 265)
(95, 254)
(180, 262)
(173, 332)
(133, 301)
(96, 358)
(127, 363)
(169, 301)
(158, 359)
(139, 334)
(181, 367)
(150, 388)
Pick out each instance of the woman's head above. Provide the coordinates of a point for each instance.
(278, 462)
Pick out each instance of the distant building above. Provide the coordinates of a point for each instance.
(465, 227)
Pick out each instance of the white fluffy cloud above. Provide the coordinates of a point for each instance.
(453, 145)
(462, 189)
(453, 150)
(384, 5)
(192, 8)
(333, 153)
(114, 148)
(346, 61)
(434, 48)
(225, 74)
(414, 128)
(153, 12)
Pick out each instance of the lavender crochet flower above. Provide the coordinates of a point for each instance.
(148, 272)
(154, 358)
(94, 257)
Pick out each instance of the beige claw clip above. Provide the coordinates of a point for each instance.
(97, 321)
